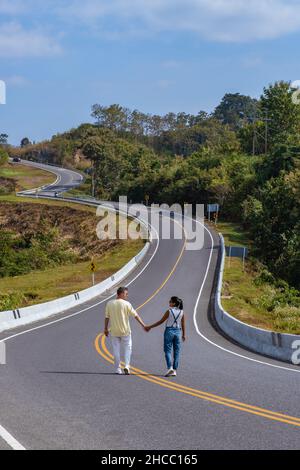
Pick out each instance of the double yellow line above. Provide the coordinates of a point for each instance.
(100, 346)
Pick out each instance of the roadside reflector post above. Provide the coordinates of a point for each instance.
(2, 353)
(93, 269)
(244, 256)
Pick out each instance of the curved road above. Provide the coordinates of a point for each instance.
(65, 180)
(58, 390)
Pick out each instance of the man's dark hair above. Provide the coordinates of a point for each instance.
(121, 290)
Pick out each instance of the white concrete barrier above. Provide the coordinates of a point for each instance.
(277, 345)
(23, 316)
(2, 353)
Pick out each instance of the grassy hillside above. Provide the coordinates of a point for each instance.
(181, 158)
(46, 246)
(254, 296)
(41, 286)
(19, 177)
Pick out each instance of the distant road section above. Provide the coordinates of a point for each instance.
(64, 179)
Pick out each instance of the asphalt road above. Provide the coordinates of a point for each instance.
(58, 390)
(63, 180)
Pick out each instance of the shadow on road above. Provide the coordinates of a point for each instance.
(96, 373)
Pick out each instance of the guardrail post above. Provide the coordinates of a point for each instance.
(2, 353)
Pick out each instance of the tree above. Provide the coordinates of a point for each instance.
(3, 139)
(182, 120)
(252, 137)
(277, 105)
(194, 120)
(25, 142)
(113, 117)
(156, 125)
(234, 108)
(137, 123)
(107, 163)
(283, 159)
(3, 157)
(272, 216)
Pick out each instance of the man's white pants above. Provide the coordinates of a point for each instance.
(126, 343)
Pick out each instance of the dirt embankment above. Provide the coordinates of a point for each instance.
(7, 185)
(78, 227)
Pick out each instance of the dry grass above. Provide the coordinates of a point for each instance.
(26, 177)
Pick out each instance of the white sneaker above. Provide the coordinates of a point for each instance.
(170, 373)
(119, 371)
(127, 370)
(174, 373)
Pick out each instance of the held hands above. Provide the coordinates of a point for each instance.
(147, 328)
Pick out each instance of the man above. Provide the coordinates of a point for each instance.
(117, 313)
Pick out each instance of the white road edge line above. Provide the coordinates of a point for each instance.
(10, 440)
(194, 315)
(215, 344)
(5, 434)
(33, 190)
(87, 308)
(17, 446)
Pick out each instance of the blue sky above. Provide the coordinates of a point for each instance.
(58, 57)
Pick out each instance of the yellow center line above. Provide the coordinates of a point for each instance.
(102, 351)
(169, 275)
(187, 390)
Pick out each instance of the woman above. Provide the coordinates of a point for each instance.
(174, 332)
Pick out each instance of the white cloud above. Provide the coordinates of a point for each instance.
(218, 20)
(171, 64)
(16, 81)
(11, 7)
(15, 41)
(164, 84)
(252, 62)
(214, 20)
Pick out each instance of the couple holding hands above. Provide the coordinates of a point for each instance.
(117, 315)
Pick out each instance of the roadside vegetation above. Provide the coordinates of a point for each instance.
(54, 282)
(16, 177)
(223, 157)
(46, 247)
(254, 295)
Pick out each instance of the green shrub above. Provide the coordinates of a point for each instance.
(265, 277)
(3, 156)
(22, 254)
(11, 301)
(287, 318)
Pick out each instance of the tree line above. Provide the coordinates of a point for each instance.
(245, 156)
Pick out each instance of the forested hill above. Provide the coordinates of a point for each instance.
(245, 155)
